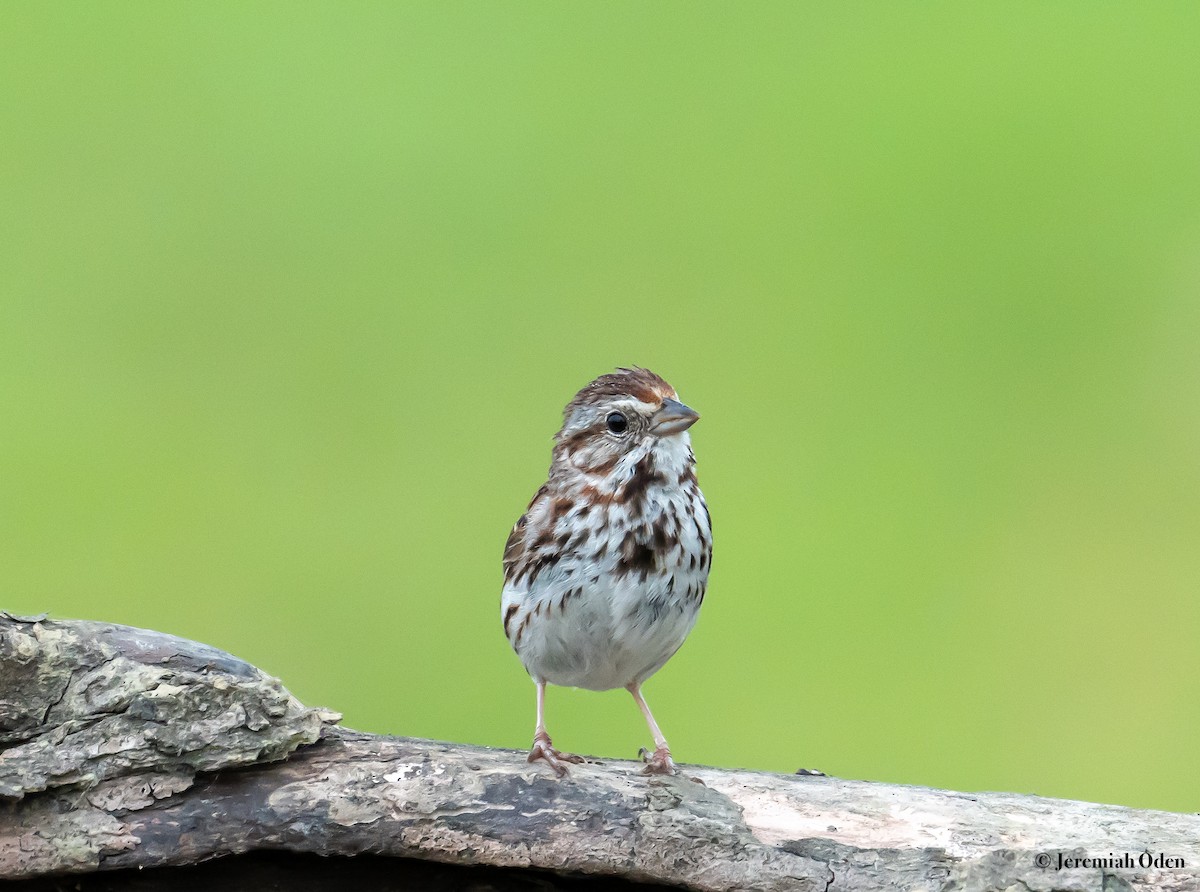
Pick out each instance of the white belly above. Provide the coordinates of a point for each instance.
(606, 639)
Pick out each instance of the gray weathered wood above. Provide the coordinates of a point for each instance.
(125, 748)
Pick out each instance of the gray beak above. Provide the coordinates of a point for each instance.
(673, 417)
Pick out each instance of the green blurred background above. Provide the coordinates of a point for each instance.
(293, 295)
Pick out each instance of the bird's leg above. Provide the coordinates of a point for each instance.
(541, 740)
(659, 762)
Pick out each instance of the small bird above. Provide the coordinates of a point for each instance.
(605, 572)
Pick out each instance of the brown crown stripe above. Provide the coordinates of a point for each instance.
(641, 384)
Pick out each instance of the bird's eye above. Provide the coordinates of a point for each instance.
(616, 422)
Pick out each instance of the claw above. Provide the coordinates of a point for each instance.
(658, 762)
(543, 750)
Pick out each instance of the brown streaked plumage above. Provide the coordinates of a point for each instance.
(605, 571)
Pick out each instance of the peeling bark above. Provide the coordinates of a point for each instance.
(126, 749)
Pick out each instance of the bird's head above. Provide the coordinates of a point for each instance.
(620, 419)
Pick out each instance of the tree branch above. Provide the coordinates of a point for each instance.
(122, 748)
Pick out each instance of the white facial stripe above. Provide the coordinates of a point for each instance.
(632, 405)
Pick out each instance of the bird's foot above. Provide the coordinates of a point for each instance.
(658, 762)
(543, 750)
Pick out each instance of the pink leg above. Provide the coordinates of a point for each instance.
(541, 740)
(660, 762)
